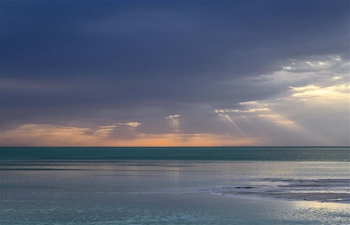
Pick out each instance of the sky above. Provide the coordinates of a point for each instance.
(174, 73)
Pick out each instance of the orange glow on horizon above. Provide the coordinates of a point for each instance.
(50, 135)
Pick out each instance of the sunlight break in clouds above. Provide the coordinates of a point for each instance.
(316, 95)
(336, 92)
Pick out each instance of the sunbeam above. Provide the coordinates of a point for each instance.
(289, 124)
(229, 119)
(247, 120)
(174, 120)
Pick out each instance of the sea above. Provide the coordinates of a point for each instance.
(197, 185)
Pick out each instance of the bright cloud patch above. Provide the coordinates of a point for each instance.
(338, 92)
(311, 109)
(130, 124)
(172, 117)
(252, 110)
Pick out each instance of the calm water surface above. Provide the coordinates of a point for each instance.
(133, 191)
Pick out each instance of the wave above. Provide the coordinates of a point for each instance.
(321, 190)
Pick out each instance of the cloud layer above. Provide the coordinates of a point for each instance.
(119, 73)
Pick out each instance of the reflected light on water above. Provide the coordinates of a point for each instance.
(320, 205)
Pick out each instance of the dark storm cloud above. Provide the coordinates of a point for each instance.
(65, 39)
(64, 60)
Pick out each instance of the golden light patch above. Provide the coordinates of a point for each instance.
(51, 135)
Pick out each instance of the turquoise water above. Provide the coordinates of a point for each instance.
(118, 186)
(339, 154)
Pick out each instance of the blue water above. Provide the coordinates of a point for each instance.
(174, 186)
(338, 154)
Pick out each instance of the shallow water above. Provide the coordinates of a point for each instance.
(165, 192)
